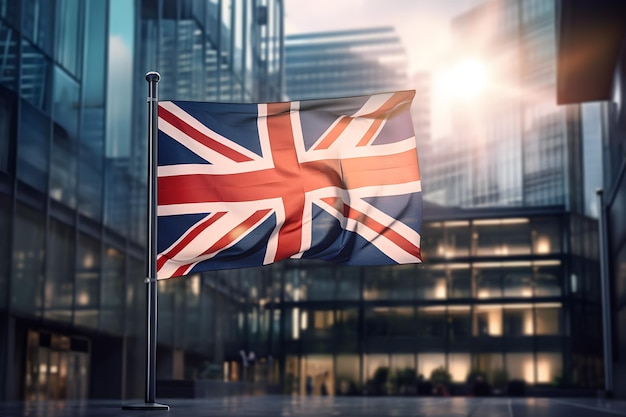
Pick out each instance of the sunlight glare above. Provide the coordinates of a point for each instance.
(467, 79)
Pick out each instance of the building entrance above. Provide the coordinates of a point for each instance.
(57, 367)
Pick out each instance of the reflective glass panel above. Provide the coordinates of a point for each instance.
(347, 323)
(67, 35)
(112, 291)
(28, 261)
(488, 281)
(428, 362)
(548, 319)
(8, 65)
(402, 322)
(432, 285)
(460, 278)
(348, 283)
(5, 226)
(377, 283)
(34, 80)
(33, 144)
(65, 104)
(459, 366)
(38, 22)
(548, 279)
(459, 323)
(347, 374)
(89, 261)
(546, 236)
(6, 136)
(549, 368)
(517, 281)
(432, 323)
(320, 283)
(377, 321)
(59, 289)
(518, 321)
(520, 366)
(487, 320)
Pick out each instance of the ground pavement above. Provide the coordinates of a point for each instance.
(285, 406)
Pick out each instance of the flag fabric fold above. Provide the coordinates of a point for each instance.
(244, 185)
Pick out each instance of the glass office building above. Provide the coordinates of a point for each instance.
(510, 293)
(512, 144)
(72, 184)
(595, 76)
(506, 279)
(344, 63)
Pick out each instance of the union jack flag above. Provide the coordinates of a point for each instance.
(250, 184)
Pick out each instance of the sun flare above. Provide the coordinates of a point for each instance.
(467, 79)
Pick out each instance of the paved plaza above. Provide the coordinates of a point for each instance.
(283, 406)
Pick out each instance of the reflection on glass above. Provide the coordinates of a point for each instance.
(518, 282)
(518, 320)
(487, 320)
(459, 323)
(59, 287)
(546, 236)
(377, 321)
(460, 278)
(28, 261)
(318, 377)
(402, 322)
(548, 319)
(459, 366)
(87, 282)
(488, 280)
(432, 323)
(520, 366)
(347, 374)
(428, 362)
(549, 367)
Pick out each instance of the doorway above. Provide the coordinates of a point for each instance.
(57, 367)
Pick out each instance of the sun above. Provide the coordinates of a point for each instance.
(467, 79)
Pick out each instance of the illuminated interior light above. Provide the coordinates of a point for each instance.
(440, 289)
(554, 262)
(295, 328)
(542, 245)
(456, 223)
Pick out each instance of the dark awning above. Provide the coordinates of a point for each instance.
(590, 34)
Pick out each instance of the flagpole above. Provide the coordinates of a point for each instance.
(606, 296)
(152, 78)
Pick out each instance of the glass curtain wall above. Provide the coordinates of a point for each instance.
(493, 298)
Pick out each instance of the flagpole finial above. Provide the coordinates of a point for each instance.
(153, 76)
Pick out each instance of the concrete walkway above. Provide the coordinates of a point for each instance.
(283, 406)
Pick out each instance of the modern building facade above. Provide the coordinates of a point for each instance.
(72, 185)
(344, 63)
(592, 69)
(512, 144)
(508, 293)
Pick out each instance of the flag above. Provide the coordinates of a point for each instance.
(244, 185)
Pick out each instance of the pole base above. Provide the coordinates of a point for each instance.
(146, 406)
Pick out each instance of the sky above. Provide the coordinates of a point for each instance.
(423, 26)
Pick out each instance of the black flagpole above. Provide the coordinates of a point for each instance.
(151, 282)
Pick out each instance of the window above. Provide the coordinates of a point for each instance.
(59, 287)
(28, 261)
(518, 321)
(32, 153)
(487, 321)
(87, 282)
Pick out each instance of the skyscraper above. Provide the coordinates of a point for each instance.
(344, 63)
(73, 182)
(513, 145)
